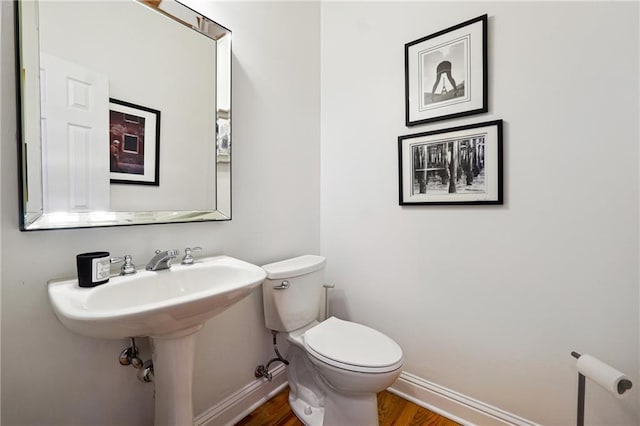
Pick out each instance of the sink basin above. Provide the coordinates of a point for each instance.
(169, 306)
(155, 303)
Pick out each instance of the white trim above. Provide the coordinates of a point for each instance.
(452, 404)
(241, 403)
(446, 402)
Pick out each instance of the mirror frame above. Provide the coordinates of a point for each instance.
(183, 15)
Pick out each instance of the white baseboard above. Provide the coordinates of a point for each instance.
(446, 402)
(232, 409)
(453, 405)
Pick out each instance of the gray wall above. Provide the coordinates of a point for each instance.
(490, 301)
(52, 376)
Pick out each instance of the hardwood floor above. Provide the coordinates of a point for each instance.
(392, 411)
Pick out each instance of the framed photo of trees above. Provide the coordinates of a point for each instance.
(458, 165)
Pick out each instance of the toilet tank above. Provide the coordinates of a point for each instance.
(290, 308)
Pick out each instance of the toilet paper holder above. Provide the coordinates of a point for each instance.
(622, 386)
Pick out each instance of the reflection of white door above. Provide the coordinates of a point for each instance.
(75, 136)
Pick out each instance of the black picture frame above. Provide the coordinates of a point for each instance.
(134, 144)
(455, 166)
(455, 57)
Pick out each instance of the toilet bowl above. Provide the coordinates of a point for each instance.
(336, 367)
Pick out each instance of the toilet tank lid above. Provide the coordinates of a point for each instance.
(294, 267)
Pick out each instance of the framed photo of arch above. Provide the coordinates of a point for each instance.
(446, 73)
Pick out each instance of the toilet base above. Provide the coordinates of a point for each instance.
(315, 403)
(341, 411)
(310, 416)
(306, 390)
(352, 410)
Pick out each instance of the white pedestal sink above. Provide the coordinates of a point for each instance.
(170, 307)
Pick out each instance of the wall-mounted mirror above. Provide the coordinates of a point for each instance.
(125, 114)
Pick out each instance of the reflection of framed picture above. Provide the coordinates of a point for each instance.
(134, 143)
(223, 139)
(446, 73)
(460, 165)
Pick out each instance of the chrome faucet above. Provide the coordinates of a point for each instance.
(162, 260)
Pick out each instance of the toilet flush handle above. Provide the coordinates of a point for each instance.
(283, 285)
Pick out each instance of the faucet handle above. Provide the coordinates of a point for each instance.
(188, 255)
(173, 253)
(128, 267)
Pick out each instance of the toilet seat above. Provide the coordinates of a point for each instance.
(351, 346)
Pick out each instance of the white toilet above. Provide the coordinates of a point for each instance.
(335, 367)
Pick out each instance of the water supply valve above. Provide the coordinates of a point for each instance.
(129, 356)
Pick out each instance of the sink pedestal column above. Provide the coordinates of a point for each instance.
(173, 357)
